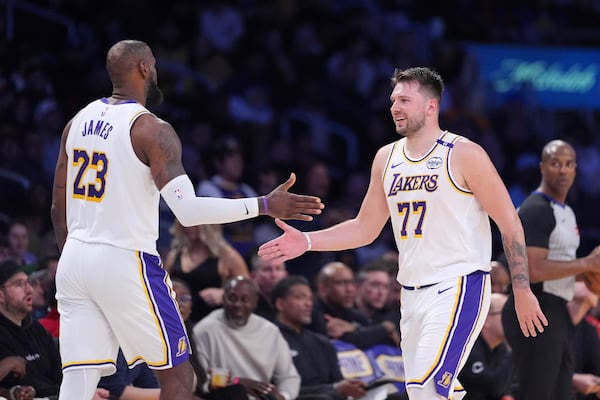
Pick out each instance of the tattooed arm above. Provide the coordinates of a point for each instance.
(477, 173)
(157, 145)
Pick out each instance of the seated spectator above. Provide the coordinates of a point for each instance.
(51, 320)
(39, 282)
(499, 275)
(487, 374)
(314, 356)
(202, 257)
(16, 366)
(266, 274)
(131, 383)
(227, 182)
(336, 290)
(18, 240)
(586, 379)
(250, 347)
(22, 337)
(184, 300)
(373, 287)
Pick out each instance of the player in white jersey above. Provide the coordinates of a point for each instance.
(439, 189)
(116, 160)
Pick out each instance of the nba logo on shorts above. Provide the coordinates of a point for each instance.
(178, 193)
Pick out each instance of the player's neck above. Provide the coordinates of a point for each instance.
(420, 143)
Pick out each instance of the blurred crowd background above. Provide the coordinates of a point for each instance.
(302, 86)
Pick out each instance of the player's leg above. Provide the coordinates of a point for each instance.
(145, 319)
(87, 346)
(79, 383)
(439, 327)
(176, 383)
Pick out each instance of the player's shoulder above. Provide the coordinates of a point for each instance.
(149, 123)
(468, 152)
(385, 150)
(463, 145)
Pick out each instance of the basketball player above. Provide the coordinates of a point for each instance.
(116, 159)
(439, 189)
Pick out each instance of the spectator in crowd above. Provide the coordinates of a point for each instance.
(499, 275)
(51, 320)
(314, 356)
(183, 296)
(16, 366)
(228, 163)
(373, 286)
(4, 249)
(23, 338)
(488, 372)
(202, 257)
(336, 291)
(266, 274)
(586, 379)
(18, 239)
(250, 347)
(136, 382)
(544, 363)
(39, 281)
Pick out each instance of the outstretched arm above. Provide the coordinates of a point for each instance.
(157, 145)
(481, 177)
(349, 234)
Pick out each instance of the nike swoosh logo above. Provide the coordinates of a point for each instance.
(443, 290)
(395, 165)
(247, 212)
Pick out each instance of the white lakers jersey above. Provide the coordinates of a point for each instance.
(440, 228)
(111, 196)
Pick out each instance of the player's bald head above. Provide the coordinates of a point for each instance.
(123, 57)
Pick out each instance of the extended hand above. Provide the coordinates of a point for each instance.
(285, 205)
(291, 244)
(531, 318)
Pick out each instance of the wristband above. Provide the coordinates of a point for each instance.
(235, 380)
(265, 205)
(308, 241)
(11, 392)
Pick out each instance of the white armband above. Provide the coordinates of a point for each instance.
(191, 210)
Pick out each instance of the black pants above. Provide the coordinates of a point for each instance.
(544, 364)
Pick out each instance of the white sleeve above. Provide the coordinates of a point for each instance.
(191, 210)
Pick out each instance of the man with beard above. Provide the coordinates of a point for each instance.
(439, 189)
(115, 161)
(314, 355)
(249, 347)
(25, 345)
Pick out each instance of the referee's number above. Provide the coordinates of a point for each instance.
(92, 188)
(410, 211)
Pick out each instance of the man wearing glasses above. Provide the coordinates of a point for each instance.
(26, 348)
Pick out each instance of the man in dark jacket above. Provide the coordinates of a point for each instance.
(23, 337)
(314, 356)
(336, 292)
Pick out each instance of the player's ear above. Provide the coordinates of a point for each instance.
(143, 68)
